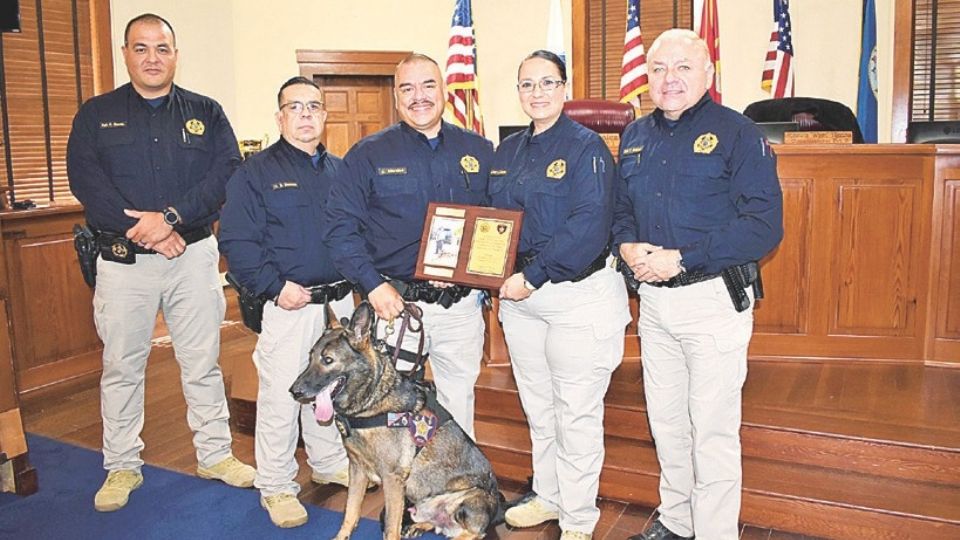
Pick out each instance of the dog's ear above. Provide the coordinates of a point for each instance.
(361, 325)
(333, 322)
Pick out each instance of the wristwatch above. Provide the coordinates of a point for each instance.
(529, 286)
(171, 217)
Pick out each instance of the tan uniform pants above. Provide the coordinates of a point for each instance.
(125, 305)
(282, 353)
(694, 350)
(565, 340)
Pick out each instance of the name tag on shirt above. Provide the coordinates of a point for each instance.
(277, 186)
(391, 171)
(109, 125)
(498, 172)
(632, 150)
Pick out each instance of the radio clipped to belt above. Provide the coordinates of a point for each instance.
(85, 242)
(251, 305)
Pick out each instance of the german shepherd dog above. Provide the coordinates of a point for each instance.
(398, 436)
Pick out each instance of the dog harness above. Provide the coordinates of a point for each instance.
(422, 424)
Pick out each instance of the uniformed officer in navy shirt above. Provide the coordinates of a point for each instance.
(376, 214)
(564, 310)
(271, 233)
(699, 197)
(149, 161)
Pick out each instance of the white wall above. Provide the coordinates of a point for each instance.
(240, 51)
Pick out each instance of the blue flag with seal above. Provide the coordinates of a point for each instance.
(867, 94)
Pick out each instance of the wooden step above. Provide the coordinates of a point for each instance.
(789, 496)
(864, 446)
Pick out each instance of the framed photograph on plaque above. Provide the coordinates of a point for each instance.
(469, 245)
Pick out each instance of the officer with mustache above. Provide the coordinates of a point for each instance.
(375, 219)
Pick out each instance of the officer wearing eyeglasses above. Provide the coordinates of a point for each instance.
(150, 162)
(271, 233)
(376, 216)
(564, 310)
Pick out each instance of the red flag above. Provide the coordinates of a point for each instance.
(778, 67)
(633, 70)
(710, 32)
(463, 98)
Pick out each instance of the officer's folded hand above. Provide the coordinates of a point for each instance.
(149, 230)
(514, 289)
(632, 252)
(658, 265)
(293, 296)
(386, 301)
(170, 247)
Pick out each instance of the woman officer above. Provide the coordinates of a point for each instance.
(564, 311)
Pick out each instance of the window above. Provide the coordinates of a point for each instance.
(936, 60)
(46, 72)
(602, 24)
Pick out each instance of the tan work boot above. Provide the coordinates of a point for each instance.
(115, 491)
(340, 476)
(533, 511)
(285, 510)
(575, 535)
(230, 471)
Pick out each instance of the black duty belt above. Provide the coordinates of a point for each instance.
(422, 291)
(524, 260)
(321, 294)
(683, 279)
(108, 240)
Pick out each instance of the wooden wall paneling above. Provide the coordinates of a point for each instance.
(8, 379)
(877, 225)
(787, 271)
(945, 268)
(54, 337)
(579, 65)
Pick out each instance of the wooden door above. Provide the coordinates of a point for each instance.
(357, 106)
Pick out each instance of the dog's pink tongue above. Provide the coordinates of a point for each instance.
(323, 405)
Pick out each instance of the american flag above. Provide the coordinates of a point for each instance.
(710, 33)
(463, 99)
(633, 73)
(778, 67)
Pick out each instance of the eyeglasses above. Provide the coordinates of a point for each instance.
(297, 107)
(547, 85)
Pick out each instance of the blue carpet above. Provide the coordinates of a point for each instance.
(168, 505)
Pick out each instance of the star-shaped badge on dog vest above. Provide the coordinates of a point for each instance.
(557, 169)
(705, 143)
(195, 127)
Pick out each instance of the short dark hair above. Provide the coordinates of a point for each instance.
(292, 81)
(148, 17)
(551, 57)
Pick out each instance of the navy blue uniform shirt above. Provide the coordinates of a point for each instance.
(272, 224)
(377, 208)
(706, 185)
(123, 153)
(564, 180)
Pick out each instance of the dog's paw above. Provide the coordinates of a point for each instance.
(414, 530)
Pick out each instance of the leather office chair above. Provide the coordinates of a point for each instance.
(811, 114)
(599, 115)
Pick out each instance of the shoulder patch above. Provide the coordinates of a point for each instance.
(390, 171)
(277, 186)
(705, 143)
(557, 169)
